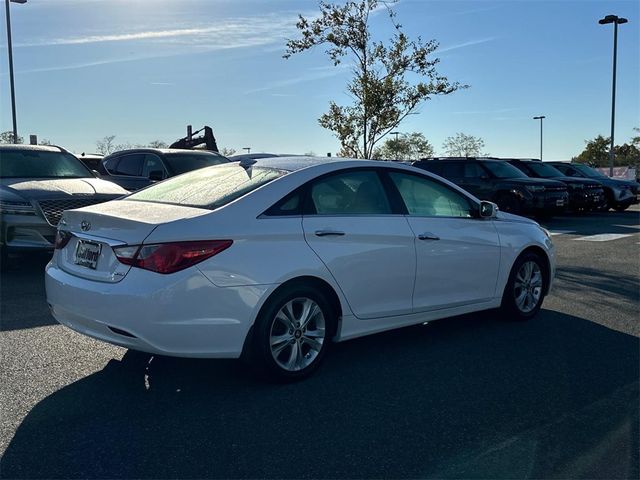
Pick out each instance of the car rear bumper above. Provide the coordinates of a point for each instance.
(181, 314)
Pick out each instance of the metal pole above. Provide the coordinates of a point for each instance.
(613, 97)
(13, 91)
(541, 139)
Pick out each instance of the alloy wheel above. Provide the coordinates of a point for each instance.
(528, 286)
(297, 334)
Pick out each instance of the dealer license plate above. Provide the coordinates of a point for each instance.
(87, 254)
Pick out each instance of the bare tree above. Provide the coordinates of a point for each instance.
(106, 145)
(157, 144)
(462, 145)
(7, 137)
(227, 152)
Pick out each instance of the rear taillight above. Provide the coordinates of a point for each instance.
(62, 238)
(170, 257)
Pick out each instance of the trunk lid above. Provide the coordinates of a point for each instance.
(99, 228)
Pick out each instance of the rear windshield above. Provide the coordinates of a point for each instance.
(41, 164)
(504, 170)
(544, 170)
(210, 187)
(183, 163)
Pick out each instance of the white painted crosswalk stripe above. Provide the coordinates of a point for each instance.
(605, 237)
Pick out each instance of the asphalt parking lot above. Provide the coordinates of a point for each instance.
(471, 396)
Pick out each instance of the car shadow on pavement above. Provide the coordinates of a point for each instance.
(615, 285)
(471, 397)
(22, 294)
(595, 223)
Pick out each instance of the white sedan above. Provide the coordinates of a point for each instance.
(272, 260)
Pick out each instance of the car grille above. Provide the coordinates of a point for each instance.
(593, 186)
(555, 189)
(53, 209)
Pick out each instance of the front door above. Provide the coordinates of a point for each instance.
(458, 254)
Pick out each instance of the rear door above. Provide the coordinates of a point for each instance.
(126, 171)
(458, 254)
(350, 224)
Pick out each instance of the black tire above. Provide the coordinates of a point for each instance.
(510, 307)
(261, 357)
(620, 208)
(4, 259)
(509, 203)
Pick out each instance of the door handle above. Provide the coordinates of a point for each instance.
(428, 236)
(326, 233)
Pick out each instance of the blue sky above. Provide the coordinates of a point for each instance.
(143, 69)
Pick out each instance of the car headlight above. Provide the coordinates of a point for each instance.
(16, 208)
(546, 232)
(535, 188)
(576, 186)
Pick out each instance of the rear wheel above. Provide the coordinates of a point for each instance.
(292, 334)
(620, 208)
(525, 289)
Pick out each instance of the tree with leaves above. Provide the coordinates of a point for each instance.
(462, 145)
(596, 153)
(7, 137)
(408, 146)
(382, 93)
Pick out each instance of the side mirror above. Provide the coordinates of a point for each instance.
(488, 209)
(156, 175)
(95, 173)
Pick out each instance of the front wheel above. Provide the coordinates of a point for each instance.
(292, 334)
(525, 289)
(620, 208)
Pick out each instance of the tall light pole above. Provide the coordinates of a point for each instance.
(616, 21)
(11, 82)
(395, 150)
(541, 117)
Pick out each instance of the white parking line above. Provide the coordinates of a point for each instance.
(605, 237)
(637, 227)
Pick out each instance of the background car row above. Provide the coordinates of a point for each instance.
(532, 187)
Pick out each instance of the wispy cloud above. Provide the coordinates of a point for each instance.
(228, 33)
(486, 112)
(469, 43)
(315, 74)
(162, 84)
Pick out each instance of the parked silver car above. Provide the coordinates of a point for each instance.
(37, 184)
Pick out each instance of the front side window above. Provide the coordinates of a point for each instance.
(41, 164)
(208, 187)
(424, 197)
(350, 193)
(152, 163)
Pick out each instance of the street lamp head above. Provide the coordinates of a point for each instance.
(612, 19)
(539, 118)
(18, 1)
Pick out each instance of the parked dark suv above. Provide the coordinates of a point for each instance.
(497, 181)
(584, 193)
(619, 193)
(137, 168)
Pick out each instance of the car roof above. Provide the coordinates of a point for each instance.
(294, 163)
(38, 148)
(165, 151)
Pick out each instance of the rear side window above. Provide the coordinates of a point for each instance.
(473, 170)
(350, 193)
(130, 165)
(452, 170)
(209, 188)
(186, 162)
